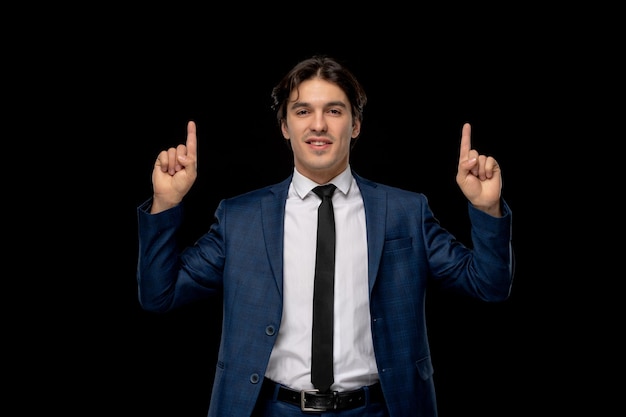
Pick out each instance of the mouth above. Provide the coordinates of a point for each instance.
(318, 142)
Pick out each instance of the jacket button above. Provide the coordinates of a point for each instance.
(254, 378)
(270, 330)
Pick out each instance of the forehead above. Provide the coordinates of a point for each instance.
(315, 90)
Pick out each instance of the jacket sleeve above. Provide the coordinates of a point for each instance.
(165, 281)
(485, 270)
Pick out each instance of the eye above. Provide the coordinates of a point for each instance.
(301, 112)
(336, 112)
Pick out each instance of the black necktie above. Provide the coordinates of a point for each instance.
(323, 295)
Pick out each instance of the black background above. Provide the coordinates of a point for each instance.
(127, 90)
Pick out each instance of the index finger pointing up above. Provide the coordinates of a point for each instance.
(192, 140)
(466, 142)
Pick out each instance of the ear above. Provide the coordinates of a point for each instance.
(283, 128)
(356, 129)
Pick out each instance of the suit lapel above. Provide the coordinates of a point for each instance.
(273, 214)
(374, 201)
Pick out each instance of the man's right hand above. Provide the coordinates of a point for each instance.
(175, 171)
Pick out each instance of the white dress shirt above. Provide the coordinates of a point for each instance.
(354, 362)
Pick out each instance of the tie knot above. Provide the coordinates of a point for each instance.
(324, 190)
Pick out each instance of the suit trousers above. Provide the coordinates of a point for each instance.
(270, 406)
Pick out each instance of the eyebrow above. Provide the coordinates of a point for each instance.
(299, 104)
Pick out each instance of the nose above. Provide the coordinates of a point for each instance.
(318, 122)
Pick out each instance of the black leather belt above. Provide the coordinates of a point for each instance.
(311, 400)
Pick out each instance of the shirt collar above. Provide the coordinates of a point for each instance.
(304, 185)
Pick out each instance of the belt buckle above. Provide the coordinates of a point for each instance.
(303, 406)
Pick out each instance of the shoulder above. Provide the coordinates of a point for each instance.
(274, 191)
(369, 187)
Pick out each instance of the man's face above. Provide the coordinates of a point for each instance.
(319, 126)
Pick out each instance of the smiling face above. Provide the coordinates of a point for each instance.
(320, 126)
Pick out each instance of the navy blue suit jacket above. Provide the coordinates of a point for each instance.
(241, 259)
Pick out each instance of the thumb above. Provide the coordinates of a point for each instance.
(186, 161)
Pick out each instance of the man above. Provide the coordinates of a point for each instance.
(258, 258)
